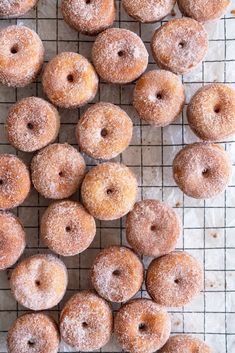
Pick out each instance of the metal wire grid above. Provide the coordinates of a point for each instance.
(208, 225)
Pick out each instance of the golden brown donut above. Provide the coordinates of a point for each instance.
(32, 123)
(69, 80)
(203, 11)
(34, 332)
(104, 131)
(16, 8)
(86, 322)
(21, 56)
(57, 171)
(147, 11)
(152, 228)
(175, 279)
(14, 181)
(39, 282)
(211, 112)
(87, 16)
(159, 97)
(117, 274)
(67, 228)
(109, 191)
(185, 343)
(179, 45)
(119, 55)
(202, 170)
(142, 326)
(12, 239)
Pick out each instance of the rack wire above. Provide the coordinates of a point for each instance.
(208, 226)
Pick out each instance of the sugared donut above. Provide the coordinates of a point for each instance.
(185, 343)
(147, 11)
(21, 56)
(12, 239)
(86, 322)
(119, 56)
(175, 279)
(67, 228)
(152, 228)
(142, 326)
(57, 171)
(117, 274)
(159, 97)
(14, 181)
(201, 11)
(109, 191)
(32, 123)
(202, 170)
(104, 131)
(39, 282)
(211, 112)
(34, 332)
(179, 45)
(87, 16)
(69, 80)
(16, 8)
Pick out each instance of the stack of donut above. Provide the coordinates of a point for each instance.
(108, 190)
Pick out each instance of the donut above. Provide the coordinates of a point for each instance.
(119, 56)
(34, 332)
(147, 11)
(104, 131)
(21, 56)
(109, 191)
(86, 322)
(32, 123)
(87, 16)
(39, 282)
(14, 181)
(117, 274)
(152, 228)
(159, 97)
(67, 228)
(185, 343)
(69, 80)
(179, 45)
(211, 112)
(201, 11)
(57, 171)
(174, 279)
(142, 326)
(12, 239)
(16, 8)
(202, 170)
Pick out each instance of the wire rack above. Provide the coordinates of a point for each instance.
(208, 226)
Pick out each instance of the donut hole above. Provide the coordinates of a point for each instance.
(38, 283)
(121, 53)
(205, 173)
(153, 228)
(109, 191)
(88, 2)
(61, 174)
(142, 327)
(30, 126)
(217, 109)
(70, 78)
(104, 132)
(177, 281)
(159, 96)
(1, 182)
(84, 324)
(182, 44)
(14, 49)
(31, 342)
(68, 229)
(116, 273)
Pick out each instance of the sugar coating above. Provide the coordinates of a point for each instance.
(117, 274)
(109, 191)
(67, 228)
(16, 8)
(21, 56)
(86, 321)
(185, 343)
(179, 45)
(175, 279)
(142, 326)
(31, 124)
(104, 131)
(12, 239)
(119, 55)
(34, 332)
(202, 170)
(148, 10)
(211, 112)
(39, 282)
(89, 17)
